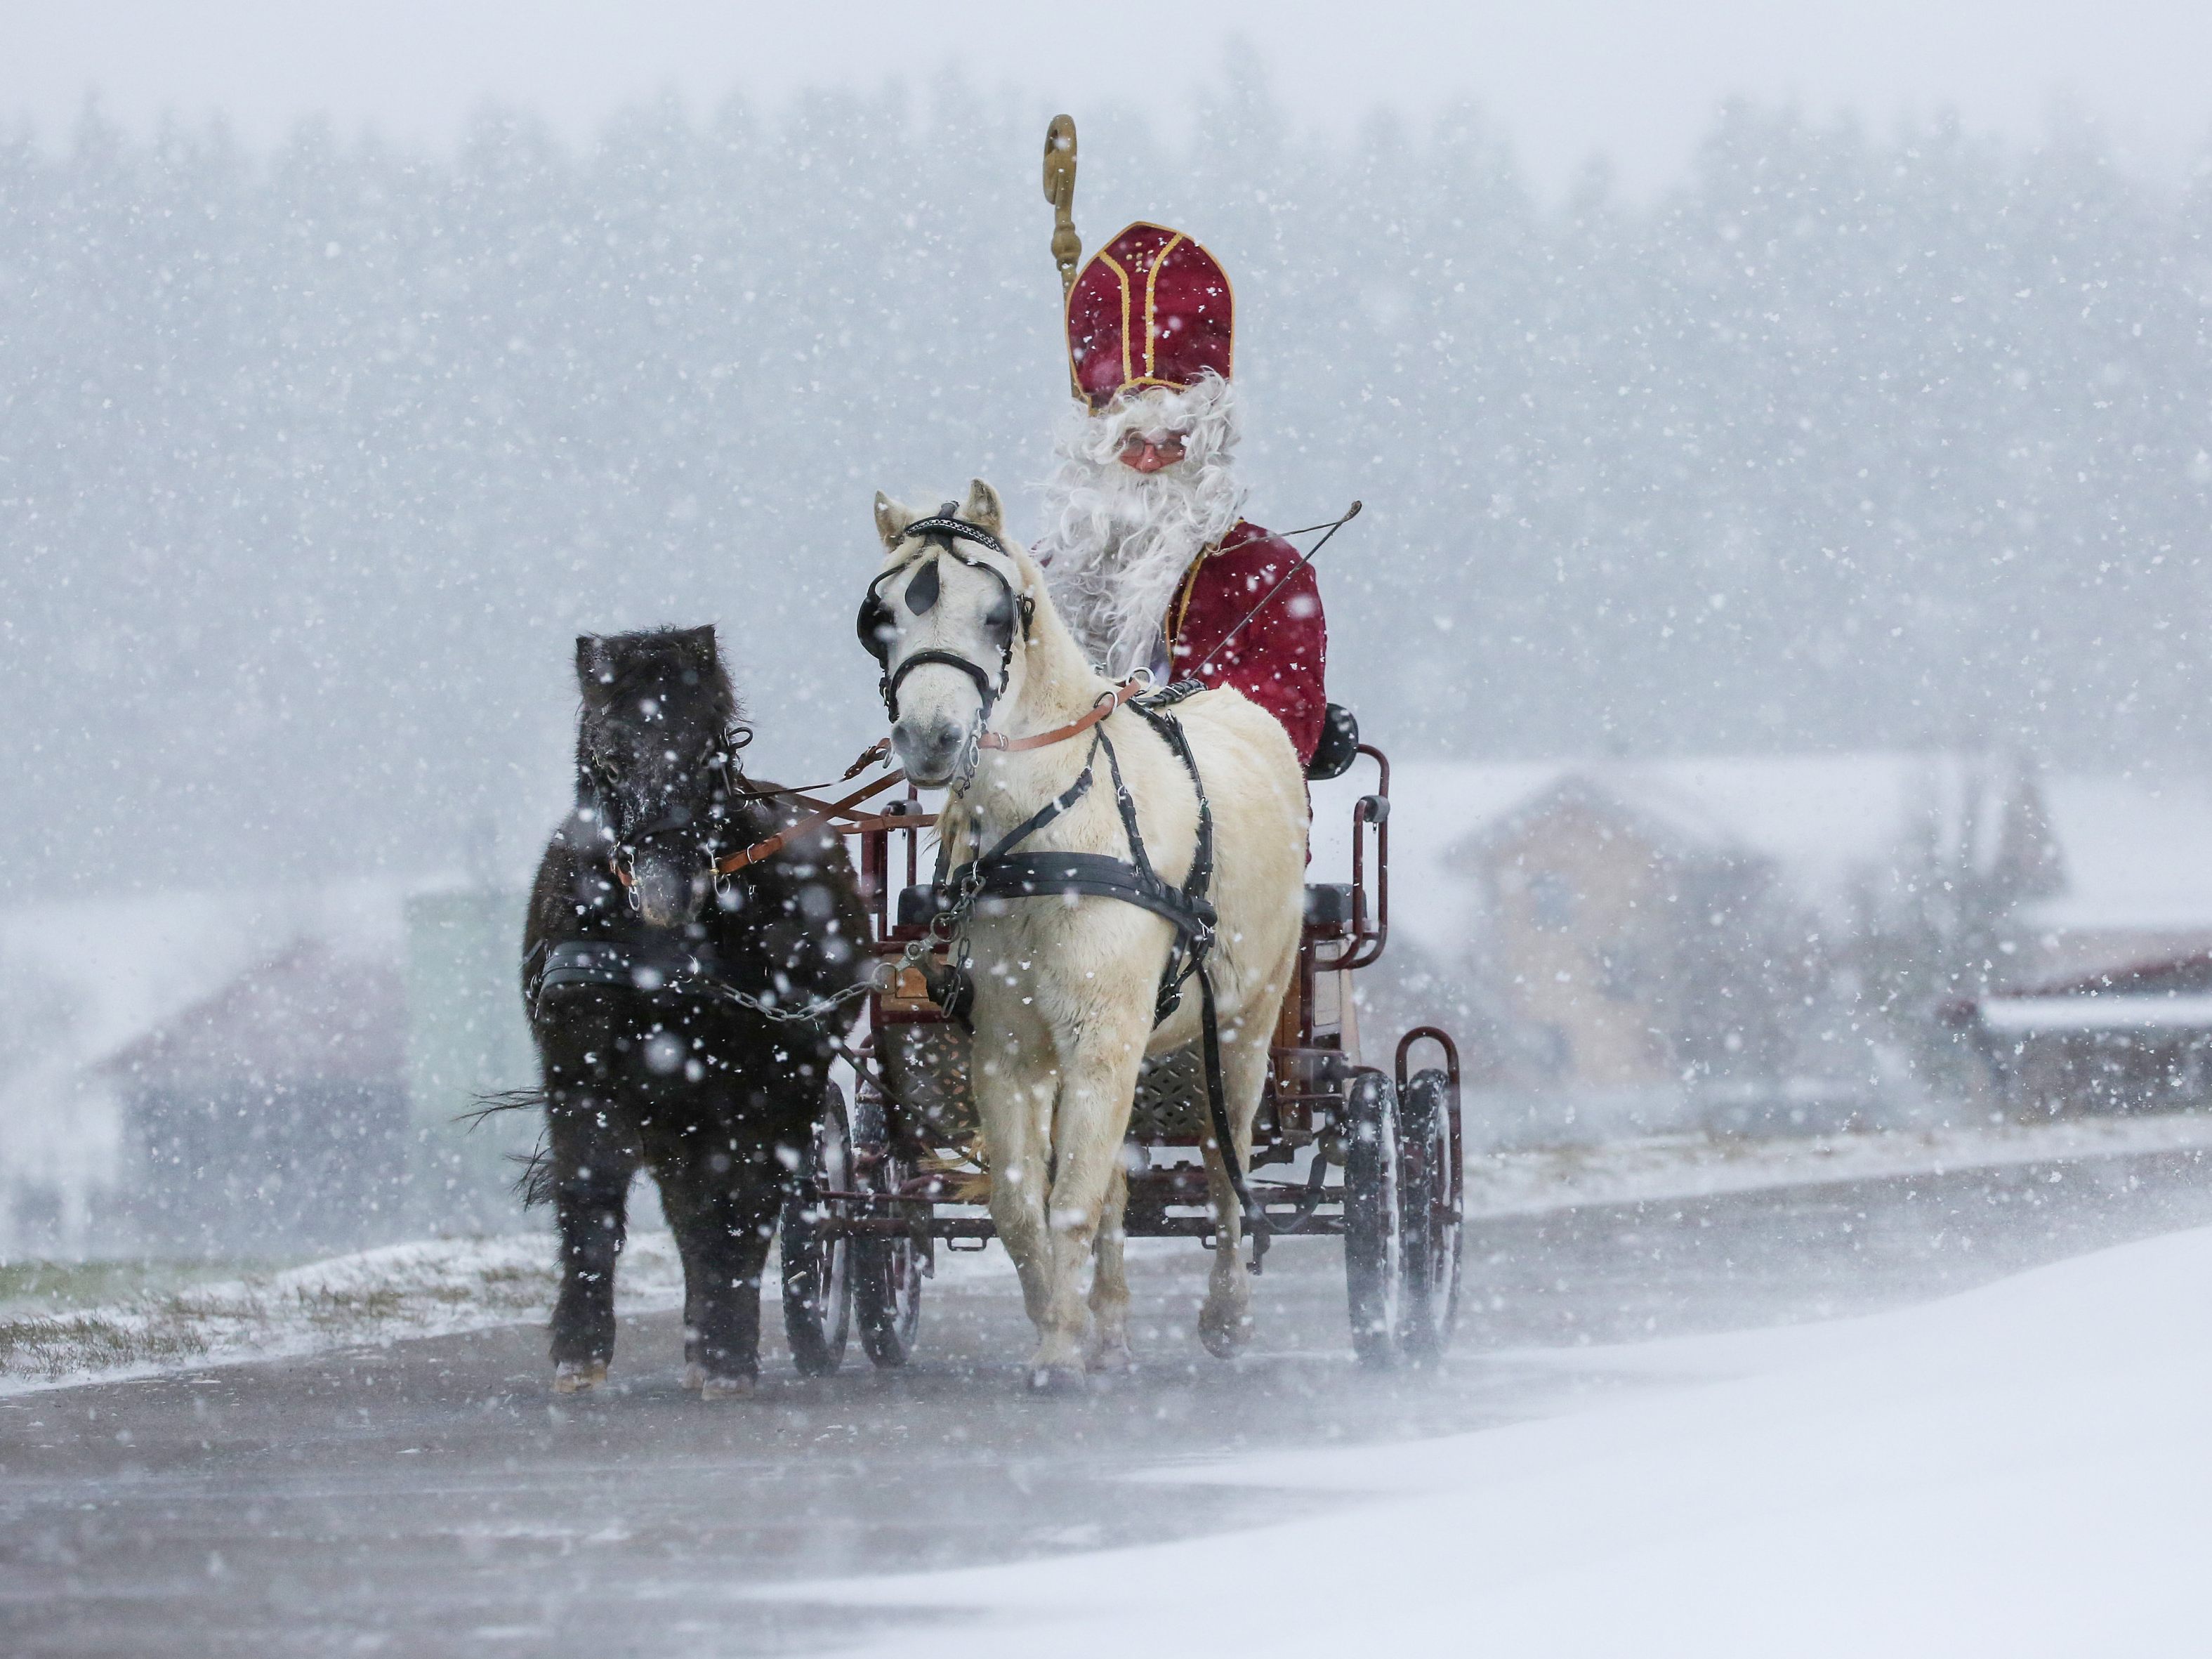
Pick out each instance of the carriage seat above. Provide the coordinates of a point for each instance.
(1328, 907)
(920, 905)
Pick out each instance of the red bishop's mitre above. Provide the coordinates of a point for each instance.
(1151, 308)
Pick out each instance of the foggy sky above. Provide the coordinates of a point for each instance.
(1637, 82)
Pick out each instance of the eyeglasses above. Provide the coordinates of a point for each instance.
(1168, 446)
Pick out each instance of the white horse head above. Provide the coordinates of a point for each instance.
(958, 617)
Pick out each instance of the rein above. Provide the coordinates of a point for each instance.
(825, 812)
(1106, 703)
(880, 749)
(783, 838)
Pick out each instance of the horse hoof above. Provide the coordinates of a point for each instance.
(1110, 1359)
(579, 1375)
(1055, 1379)
(1224, 1334)
(695, 1376)
(712, 1389)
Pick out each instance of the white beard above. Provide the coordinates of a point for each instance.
(1119, 542)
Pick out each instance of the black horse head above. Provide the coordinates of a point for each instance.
(656, 763)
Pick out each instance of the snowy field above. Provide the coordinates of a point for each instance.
(2018, 1471)
(434, 1288)
(1660, 1167)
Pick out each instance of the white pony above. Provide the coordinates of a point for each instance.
(1065, 986)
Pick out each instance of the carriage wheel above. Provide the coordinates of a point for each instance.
(886, 1271)
(1374, 1218)
(1432, 1226)
(817, 1285)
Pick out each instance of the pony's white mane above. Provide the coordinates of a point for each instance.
(1116, 542)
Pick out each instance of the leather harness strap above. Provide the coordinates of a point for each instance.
(823, 812)
(879, 749)
(813, 821)
(1003, 873)
(1106, 705)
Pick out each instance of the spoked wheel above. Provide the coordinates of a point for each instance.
(1430, 1308)
(817, 1284)
(887, 1273)
(1374, 1218)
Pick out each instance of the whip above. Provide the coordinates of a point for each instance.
(1305, 559)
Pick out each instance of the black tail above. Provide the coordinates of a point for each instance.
(534, 1185)
(503, 1100)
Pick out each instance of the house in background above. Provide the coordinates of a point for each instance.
(2137, 887)
(1762, 942)
(78, 980)
(173, 1077)
(273, 1115)
(2132, 1038)
(2110, 1008)
(1601, 913)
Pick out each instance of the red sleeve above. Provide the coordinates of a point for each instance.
(1280, 658)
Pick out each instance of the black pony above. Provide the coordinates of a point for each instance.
(645, 972)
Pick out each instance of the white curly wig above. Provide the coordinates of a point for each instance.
(1117, 542)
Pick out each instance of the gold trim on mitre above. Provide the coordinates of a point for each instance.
(1121, 276)
(1151, 301)
(1130, 378)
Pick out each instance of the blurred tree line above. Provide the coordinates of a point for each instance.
(311, 462)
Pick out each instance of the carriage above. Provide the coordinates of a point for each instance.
(1342, 1146)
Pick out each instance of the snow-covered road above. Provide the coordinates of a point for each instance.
(2020, 1470)
(427, 1496)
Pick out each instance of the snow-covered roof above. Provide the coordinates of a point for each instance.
(309, 1013)
(120, 966)
(2138, 855)
(2018, 1016)
(100, 973)
(1826, 821)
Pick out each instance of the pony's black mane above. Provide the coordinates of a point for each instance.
(643, 658)
(651, 654)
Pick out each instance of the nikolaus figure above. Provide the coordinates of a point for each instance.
(1145, 547)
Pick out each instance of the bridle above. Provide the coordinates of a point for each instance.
(941, 531)
(627, 838)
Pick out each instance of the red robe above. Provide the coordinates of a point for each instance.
(1277, 658)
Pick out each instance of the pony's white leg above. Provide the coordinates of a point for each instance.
(1110, 1281)
(1225, 1323)
(1014, 1076)
(1098, 1082)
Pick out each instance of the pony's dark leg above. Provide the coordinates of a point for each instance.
(731, 1227)
(593, 1164)
(679, 1202)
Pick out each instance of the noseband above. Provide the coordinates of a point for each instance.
(629, 838)
(942, 530)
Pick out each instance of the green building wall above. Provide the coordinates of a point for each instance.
(466, 1039)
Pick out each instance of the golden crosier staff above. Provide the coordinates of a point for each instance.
(1060, 190)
